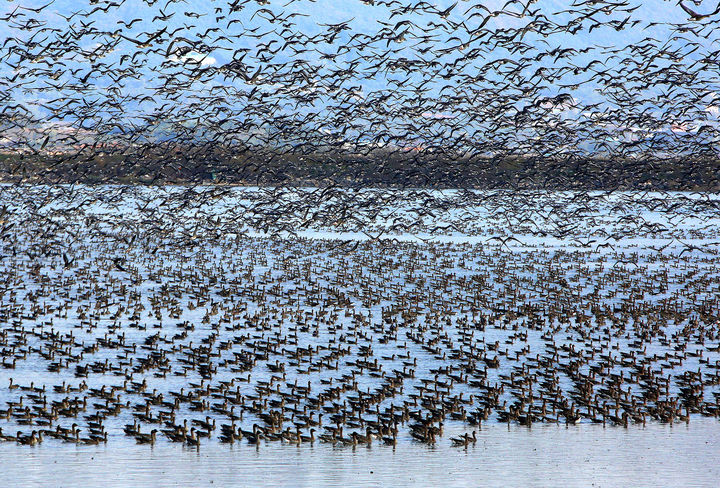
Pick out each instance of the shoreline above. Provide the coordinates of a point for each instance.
(382, 170)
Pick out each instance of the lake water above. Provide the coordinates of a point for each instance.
(121, 281)
(544, 456)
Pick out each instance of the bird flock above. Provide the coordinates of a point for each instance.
(262, 91)
(591, 95)
(162, 330)
(257, 221)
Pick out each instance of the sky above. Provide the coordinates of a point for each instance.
(197, 36)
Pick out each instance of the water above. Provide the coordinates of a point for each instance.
(544, 456)
(181, 268)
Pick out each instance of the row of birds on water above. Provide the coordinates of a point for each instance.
(254, 340)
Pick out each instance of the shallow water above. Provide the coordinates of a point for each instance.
(545, 455)
(584, 455)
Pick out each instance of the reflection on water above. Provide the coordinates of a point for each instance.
(584, 455)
